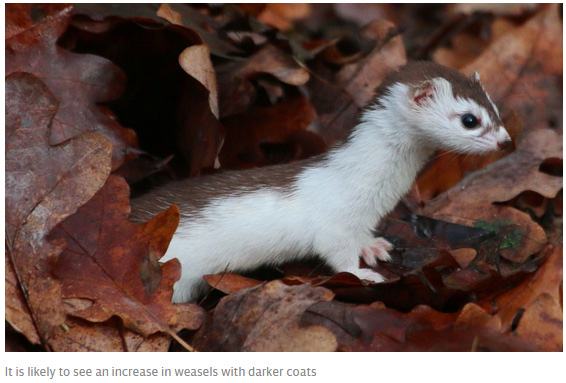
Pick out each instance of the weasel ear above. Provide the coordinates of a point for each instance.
(422, 94)
(475, 76)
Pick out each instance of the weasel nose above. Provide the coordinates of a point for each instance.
(502, 145)
(503, 139)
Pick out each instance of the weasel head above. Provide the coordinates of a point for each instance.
(444, 109)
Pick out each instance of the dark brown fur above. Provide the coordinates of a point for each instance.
(193, 194)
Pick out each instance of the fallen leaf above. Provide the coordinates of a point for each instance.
(378, 328)
(44, 184)
(338, 98)
(521, 69)
(196, 62)
(362, 77)
(105, 250)
(270, 135)
(543, 287)
(77, 335)
(237, 94)
(78, 81)
(17, 312)
(282, 16)
(266, 318)
(184, 15)
(229, 283)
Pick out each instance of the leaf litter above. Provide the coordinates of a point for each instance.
(477, 264)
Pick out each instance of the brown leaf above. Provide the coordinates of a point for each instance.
(542, 323)
(282, 16)
(78, 82)
(378, 328)
(270, 135)
(44, 184)
(266, 318)
(105, 250)
(196, 62)
(229, 283)
(464, 48)
(522, 69)
(436, 263)
(235, 90)
(534, 307)
(184, 15)
(362, 77)
(17, 311)
(519, 171)
(275, 62)
(78, 335)
(338, 99)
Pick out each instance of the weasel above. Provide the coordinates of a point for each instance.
(328, 205)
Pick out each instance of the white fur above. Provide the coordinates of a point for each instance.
(332, 208)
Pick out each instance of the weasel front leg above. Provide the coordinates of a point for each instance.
(347, 258)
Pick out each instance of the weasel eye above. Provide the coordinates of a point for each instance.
(469, 121)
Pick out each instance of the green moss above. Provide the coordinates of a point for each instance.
(512, 238)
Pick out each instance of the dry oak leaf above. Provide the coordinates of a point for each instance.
(81, 335)
(250, 135)
(112, 265)
(379, 328)
(523, 69)
(44, 184)
(339, 107)
(78, 81)
(235, 90)
(186, 16)
(195, 60)
(534, 307)
(266, 318)
(362, 77)
(229, 283)
(527, 316)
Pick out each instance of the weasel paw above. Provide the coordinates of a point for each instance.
(377, 248)
(368, 275)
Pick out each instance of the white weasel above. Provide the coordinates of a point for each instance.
(329, 205)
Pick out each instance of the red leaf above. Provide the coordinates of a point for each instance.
(121, 259)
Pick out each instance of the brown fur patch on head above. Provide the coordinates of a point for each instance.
(417, 72)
